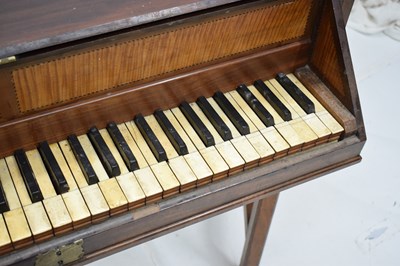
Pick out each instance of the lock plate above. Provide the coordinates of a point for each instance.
(61, 255)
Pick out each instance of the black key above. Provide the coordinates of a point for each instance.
(296, 93)
(122, 147)
(28, 176)
(171, 133)
(232, 113)
(214, 118)
(197, 124)
(255, 105)
(3, 201)
(83, 160)
(56, 175)
(271, 98)
(105, 155)
(150, 138)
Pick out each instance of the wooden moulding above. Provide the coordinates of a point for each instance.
(57, 123)
(137, 226)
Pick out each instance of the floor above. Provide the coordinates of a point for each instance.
(350, 217)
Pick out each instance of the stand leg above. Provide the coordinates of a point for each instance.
(257, 229)
(247, 214)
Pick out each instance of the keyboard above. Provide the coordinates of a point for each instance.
(64, 186)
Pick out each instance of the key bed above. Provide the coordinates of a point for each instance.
(88, 178)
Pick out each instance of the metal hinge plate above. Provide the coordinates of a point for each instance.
(7, 60)
(61, 255)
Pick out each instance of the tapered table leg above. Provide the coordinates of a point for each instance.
(257, 229)
(247, 214)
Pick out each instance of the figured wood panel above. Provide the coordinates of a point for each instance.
(326, 56)
(71, 77)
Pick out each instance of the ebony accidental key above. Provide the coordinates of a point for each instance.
(150, 138)
(255, 105)
(123, 147)
(296, 93)
(54, 170)
(197, 124)
(271, 98)
(28, 176)
(171, 133)
(105, 155)
(83, 160)
(237, 120)
(3, 201)
(222, 129)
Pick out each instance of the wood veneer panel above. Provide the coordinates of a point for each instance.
(77, 75)
(326, 58)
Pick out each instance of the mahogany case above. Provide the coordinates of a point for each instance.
(76, 65)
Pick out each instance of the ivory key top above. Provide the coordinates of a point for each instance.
(35, 213)
(320, 111)
(225, 148)
(272, 136)
(73, 199)
(5, 241)
(114, 196)
(92, 195)
(125, 132)
(57, 176)
(301, 126)
(38, 222)
(162, 137)
(149, 184)
(103, 152)
(247, 151)
(94, 160)
(197, 164)
(170, 131)
(122, 146)
(58, 215)
(183, 173)
(18, 228)
(150, 138)
(132, 190)
(141, 144)
(28, 176)
(303, 106)
(55, 207)
(210, 155)
(282, 126)
(77, 150)
(166, 178)
(114, 151)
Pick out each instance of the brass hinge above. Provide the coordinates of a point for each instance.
(61, 255)
(7, 60)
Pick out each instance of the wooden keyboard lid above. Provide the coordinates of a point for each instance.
(30, 25)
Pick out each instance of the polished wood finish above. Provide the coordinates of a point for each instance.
(68, 78)
(258, 226)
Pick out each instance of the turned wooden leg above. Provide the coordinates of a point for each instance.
(257, 229)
